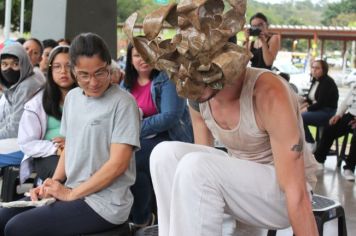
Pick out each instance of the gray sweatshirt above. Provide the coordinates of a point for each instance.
(14, 97)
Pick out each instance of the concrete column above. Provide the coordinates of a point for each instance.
(66, 18)
(7, 25)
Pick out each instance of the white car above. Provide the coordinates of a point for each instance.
(349, 78)
(299, 80)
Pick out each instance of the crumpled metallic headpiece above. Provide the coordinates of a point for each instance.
(199, 55)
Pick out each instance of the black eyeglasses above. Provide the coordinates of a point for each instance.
(57, 68)
(99, 75)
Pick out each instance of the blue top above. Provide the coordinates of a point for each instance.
(173, 115)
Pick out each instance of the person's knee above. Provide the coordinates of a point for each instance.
(14, 228)
(162, 153)
(306, 116)
(193, 167)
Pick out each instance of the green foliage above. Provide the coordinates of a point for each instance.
(287, 13)
(15, 14)
(342, 13)
(126, 8)
(143, 7)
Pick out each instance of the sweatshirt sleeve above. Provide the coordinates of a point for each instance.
(30, 137)
(10, 124)
(2, 108)
(344, 104)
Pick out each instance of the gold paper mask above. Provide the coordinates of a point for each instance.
(199, 55)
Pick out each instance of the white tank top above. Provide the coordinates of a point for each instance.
(246, 141)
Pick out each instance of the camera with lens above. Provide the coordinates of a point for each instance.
(254, 31)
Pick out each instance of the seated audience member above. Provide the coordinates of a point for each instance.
(19, 85)
(39, 137)
(63, 41)
(48, 45)
(266, 176)
(265, 46)
(117, 75)
(100, 123)
(339, 125)
(165, 116)
(34, 49)
(320, 103)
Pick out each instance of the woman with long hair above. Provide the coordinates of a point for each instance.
(91, 184)
(165, 116)
(39, 138)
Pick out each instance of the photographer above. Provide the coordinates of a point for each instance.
(265, 46)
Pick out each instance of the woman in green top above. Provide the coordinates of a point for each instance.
(39, 137)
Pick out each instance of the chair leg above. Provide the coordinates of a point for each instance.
(9, 184)
(342, 231)
(338, 161)
(342, 154)
(320, 225)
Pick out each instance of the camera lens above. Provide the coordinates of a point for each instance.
(254, 31)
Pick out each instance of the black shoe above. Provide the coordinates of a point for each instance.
(135, 227)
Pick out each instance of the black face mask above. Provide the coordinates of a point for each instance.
(11, 76)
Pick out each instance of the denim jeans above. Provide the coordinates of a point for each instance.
(142, 190)
(316, 118)
(10, 154)
(11, 159)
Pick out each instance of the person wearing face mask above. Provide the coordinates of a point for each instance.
(19, 84)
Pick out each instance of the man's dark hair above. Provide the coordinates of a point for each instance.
(21, 40)
(260, 16)
(49, 43)
(89, 45)
(131, 73)
(8, 56)
(52, 94)
(63, 40)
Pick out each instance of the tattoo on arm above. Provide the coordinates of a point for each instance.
(298, 147)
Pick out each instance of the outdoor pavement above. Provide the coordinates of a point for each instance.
(330, 184)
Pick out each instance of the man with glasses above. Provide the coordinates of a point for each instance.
(19, 84)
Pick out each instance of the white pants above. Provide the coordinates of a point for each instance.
(195, 185)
